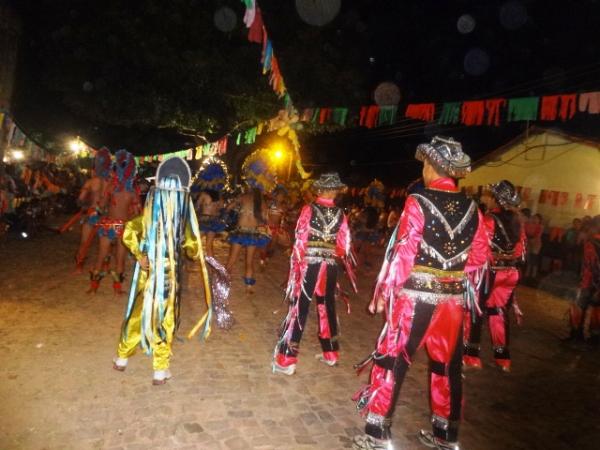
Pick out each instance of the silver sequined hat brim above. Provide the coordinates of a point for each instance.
(446, 155)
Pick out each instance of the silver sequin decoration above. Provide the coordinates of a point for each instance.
(220, 286)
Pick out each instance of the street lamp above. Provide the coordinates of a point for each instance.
(76, 145)
(17, 155)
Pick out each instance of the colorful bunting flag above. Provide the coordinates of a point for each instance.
(422, 111)
(523, 108)
(450, 114)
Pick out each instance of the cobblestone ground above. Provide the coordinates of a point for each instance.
(58, 389)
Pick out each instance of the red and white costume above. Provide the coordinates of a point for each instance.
(322, 236)
(507, 241)
(437, 251)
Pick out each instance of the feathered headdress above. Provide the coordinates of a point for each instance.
(102, 163)
(375, 195)
(258, 171)
(213, 175)
(125, 169)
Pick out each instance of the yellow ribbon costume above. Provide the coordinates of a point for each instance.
(152, 314)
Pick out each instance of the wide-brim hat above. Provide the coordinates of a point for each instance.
(329, 182)
(505, 194)
(175, 168)
(446, 155)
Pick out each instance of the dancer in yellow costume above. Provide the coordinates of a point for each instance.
(167, 229)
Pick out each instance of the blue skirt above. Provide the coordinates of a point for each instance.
(213, 224)
(249, 237)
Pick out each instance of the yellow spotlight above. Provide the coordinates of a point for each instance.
(278, 154)
(17, 155)
(76, 145)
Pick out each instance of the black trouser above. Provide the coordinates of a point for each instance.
(328, 341)
(445, 428)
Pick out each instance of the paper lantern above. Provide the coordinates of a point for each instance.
(225, 19)
(465, 24)
(387, 94)
(476, 62)
(318, 12)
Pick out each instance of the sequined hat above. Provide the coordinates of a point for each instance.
(329, 182)
(505, 194)
(446, 155)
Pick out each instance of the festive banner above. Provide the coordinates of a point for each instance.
(563, 199)
(369, 116)
(450, 114)
(492, 108)
(422, 111)
(387, 115)
(590, 202)
(472, 112)
(524, 108)
(590, 102)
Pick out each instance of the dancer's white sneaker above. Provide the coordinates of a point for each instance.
(286, 370)
(120, 364)
(366, 442)
(329, 362)
(161, 377)
(429, 440)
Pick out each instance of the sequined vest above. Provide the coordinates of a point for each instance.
(325, 223)
(450, 223)
(504, 240)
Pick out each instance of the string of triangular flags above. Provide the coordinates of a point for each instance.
(270, 64)
(489, 112)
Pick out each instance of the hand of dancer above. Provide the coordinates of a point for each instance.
(377, 305)
(144, 262)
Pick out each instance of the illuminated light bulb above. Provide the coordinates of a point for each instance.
(75, 145)
(18, 155)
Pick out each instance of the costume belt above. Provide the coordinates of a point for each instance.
(434, 286)
(320, 254)
(320, 244)
(107, 224)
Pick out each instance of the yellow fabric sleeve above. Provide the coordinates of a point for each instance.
(133, 235)
(191, 244)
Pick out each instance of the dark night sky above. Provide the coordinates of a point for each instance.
(533, 47)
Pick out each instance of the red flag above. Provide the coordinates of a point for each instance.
(563, 198)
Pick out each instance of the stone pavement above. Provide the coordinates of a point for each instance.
(59, 391)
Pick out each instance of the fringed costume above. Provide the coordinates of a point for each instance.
(588, 294)
(507, 240)
(167, 230)
(423, 283)
(322, 235)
